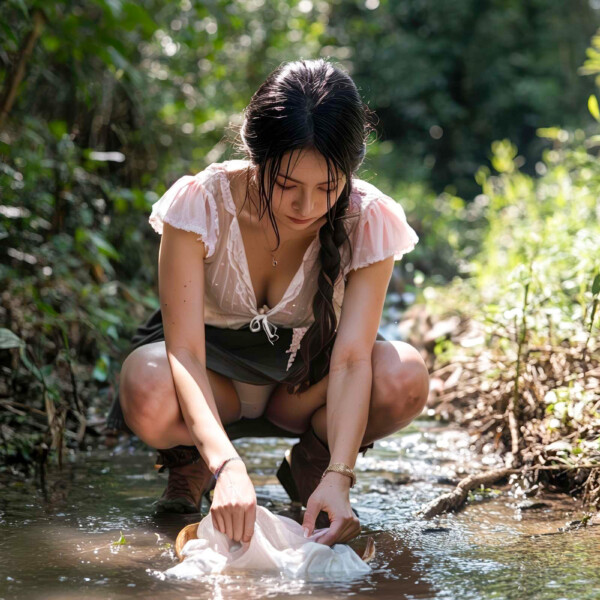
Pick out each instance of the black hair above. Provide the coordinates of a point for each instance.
(310, 104)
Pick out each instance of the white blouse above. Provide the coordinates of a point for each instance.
(203, 203)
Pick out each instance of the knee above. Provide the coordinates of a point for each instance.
(143, 387)
(401, 389)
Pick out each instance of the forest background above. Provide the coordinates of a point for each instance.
(488, 136)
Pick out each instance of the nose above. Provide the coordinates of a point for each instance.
(304, 205)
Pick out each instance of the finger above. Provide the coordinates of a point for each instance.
(352, 529)
(320, 533)
(218, 521)
(341, 536)
(319, 537)
(227, 518)
(331, 536)
(237, 519)
(249, 519)
(313, 508)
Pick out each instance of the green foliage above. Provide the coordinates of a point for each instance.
(543, 230)
(119, 98)
(141, 93)
(535, 282)
(482, 493)
(18, 448)
(593, 107)
(447, 78)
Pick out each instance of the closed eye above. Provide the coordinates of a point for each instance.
(291, 187)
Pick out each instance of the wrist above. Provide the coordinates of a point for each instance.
(233, 461)
(337, 479)
(340, 468)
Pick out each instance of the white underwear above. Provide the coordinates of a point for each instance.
(253, 398)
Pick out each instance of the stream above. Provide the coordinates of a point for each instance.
(58, 544)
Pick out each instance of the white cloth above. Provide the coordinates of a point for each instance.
(203, 203)
(277, 545)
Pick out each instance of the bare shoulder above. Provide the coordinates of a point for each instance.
(179, 242)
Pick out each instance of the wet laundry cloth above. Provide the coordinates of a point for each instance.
(277, 545)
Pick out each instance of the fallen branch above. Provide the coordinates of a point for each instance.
(454, 500)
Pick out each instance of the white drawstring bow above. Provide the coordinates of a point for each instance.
(261, 320)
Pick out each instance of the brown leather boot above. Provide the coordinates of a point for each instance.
(189, 480)
(301, 469)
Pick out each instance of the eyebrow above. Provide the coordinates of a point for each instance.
(296, 181)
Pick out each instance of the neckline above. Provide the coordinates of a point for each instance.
(242, 249)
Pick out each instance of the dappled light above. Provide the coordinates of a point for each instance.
(472, 134)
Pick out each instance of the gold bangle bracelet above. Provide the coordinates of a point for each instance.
(343, 469)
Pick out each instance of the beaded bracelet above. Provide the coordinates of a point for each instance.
(220, 468)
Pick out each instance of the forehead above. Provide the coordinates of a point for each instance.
(305, 166)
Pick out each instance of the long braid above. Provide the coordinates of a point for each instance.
(320, 335)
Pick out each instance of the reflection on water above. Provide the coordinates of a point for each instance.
(59, 545)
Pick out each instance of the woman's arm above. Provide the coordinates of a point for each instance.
(349, 391)
(350, 375)
(181, 291)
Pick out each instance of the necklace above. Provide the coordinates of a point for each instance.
(274, 260)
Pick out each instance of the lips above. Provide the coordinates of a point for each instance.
(300, 221)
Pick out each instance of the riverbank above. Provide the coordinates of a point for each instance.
(535, 405)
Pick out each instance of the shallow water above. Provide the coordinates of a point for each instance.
(58, 544)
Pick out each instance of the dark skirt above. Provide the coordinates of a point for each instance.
(239, 354)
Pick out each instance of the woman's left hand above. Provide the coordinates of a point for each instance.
(333, 496)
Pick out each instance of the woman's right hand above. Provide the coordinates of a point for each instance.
(233, 507)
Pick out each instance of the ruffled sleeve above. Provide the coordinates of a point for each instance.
(381, 231)
(189, 205)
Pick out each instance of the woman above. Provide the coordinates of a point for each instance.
(272, 277)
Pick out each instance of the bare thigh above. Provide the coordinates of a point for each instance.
(397, 393)
(294, 411)
(149, 400)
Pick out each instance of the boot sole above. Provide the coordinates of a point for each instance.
(181, 505)
(175, 505)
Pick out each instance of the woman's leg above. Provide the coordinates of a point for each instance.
(398, 395)
(149, 401)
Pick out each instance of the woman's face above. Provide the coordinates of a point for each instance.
(300, 201)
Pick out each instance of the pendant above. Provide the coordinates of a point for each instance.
(274, 261)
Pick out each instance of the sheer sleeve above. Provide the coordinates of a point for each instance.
(382, 231)
(189, 205)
